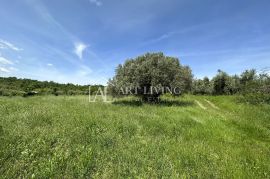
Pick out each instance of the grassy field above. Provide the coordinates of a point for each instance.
(193, 137)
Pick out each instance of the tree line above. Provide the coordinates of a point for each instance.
(222, 83)
(13, 86)
(155, 71)
(250, 86)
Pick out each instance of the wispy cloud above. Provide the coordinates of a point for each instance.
(79, 68)
(45, 14)
(162, 37)
(96, 2)
(79, 49)
(183, 31)
(3, 69)
(8, 69)
(6, 66)
(5, 61)
(8, 45)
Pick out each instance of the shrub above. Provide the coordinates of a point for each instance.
(254, 98)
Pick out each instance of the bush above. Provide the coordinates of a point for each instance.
(8, 92)
(254, 98)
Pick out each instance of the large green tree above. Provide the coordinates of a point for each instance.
(150, 75)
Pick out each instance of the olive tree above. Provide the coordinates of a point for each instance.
(150, 75)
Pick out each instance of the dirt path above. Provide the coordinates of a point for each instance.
(200, 104)
(211, 104)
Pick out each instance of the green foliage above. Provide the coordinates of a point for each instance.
(25, 87)
(232, 85)
(10, 92)
(254, 98)
(248, 76)
(250, 86)
(203, 87)
(220, 82)
(150, 71)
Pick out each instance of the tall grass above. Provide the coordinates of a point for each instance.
(67, 137)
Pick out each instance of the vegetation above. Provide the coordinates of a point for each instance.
(154, 70)
(13, 86)
(149, 75)
(67, 137)
(248, 82)
(250, 87)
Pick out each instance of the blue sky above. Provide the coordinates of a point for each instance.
(82, 41)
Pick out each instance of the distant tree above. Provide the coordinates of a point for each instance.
(264, 82)
(219, 82)
(150, 71)
(232, 85)
(12, 86)
(202, 86)
(248, 76)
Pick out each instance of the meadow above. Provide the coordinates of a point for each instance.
(189, 137)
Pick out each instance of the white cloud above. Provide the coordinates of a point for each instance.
(6, 65)
(49, 64)
(96, 2)
(5, 61)
(7, 45)
(2, 69)
(79, 49)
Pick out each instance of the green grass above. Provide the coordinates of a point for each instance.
(68, 137)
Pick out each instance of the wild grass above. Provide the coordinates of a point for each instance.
(68, 137)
